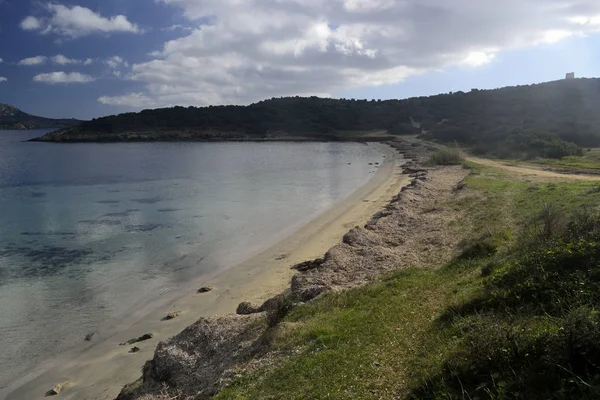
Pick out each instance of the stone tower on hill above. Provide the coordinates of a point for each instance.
(570, 75)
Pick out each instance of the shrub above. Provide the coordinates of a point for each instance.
(479, 249)
(583, 224)
(534, 332)
(450, 156)
(524, 361)
(550, 222)
(519, 144)
(548, 281)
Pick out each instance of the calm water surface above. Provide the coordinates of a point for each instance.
(88, 232)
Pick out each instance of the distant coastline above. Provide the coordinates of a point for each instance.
(72, 135)
(13, 119)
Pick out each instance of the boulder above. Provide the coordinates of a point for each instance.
(142, 338)
(56, 389)
(308, 265)
(312, 292)
(272, 303)
(171, 315)
(303, 291)
(246, 308)
(205, 289)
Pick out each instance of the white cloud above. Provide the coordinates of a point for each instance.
(134, 100)
(62, 77)
(556, 35)
(77, 21)
(115, 62)
(177, 27)
(478, 58)
(3, 79)
(243, 51)
(62, 60)
(88, 61)
(1, 60)
(31, 61)
(31, 24)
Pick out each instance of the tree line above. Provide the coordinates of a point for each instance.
(550, 119)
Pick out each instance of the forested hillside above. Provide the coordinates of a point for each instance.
(529, 120)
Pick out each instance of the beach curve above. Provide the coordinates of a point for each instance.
(101, 371)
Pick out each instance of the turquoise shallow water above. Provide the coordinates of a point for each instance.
(89, 231)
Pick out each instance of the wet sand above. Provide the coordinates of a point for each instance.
(104, 367)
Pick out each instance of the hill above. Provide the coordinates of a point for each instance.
(549, 119)
(11, 118)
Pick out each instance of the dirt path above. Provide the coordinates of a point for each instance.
(532, 171)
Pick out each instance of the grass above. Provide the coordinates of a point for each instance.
(534, 331)
(358, 344)
(589, 162)
(449, 156)
(511, 317)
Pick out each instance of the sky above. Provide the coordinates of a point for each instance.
(90, 58)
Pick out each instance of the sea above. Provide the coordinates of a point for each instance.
(88, 232)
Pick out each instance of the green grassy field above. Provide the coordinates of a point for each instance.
(513, 316)
(589, 162)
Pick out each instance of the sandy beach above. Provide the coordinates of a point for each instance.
(100, 370)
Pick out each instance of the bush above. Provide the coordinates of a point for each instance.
(583, 225)
(534, 332)
(524, 361)
(480, 249)
(519, 144)
(549, 223)
(558, 276)
(450, 156)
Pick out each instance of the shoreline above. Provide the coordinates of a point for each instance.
(102, 369)
(288, 139)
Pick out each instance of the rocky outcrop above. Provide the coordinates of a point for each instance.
(193, 363)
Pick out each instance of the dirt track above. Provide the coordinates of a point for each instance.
(532, 171)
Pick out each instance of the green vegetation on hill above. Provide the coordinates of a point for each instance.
(544, 120)
(589, 162)
(514, 316)
(521, 145)
(14, 119)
